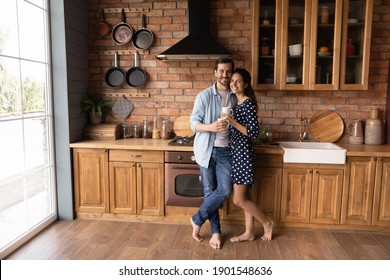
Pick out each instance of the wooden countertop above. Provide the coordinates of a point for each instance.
(132, 144)
(159, 144)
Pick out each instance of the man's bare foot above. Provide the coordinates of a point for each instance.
(196, 231)
(268, 231)
(215, 241)
(246, 236)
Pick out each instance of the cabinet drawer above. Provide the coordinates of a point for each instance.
(136, 156)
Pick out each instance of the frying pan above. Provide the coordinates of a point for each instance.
(102, 27)
(115, 76)
(135, 76)
(122, 32)
(142, 38)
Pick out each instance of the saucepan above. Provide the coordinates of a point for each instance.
(122, 32)
(142, 38)
(102, 27)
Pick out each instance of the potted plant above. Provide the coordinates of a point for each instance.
(96, 107)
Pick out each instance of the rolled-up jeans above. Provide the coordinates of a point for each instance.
(217, 186)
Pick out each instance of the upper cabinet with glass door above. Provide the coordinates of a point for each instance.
(325, 36)
(310, 41)
(355, 44)
(265, 44)
(295, 44)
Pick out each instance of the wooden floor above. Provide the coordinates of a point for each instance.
(83, 239)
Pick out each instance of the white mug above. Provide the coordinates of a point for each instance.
(227, 111)
(225, 120)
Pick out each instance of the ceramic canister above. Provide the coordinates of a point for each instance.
(373, 129)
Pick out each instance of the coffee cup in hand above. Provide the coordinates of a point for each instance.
(227, 111)
(224, 121)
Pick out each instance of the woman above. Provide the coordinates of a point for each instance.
(245, 127)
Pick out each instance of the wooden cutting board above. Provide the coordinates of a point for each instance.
(182, 128)
(326, 126)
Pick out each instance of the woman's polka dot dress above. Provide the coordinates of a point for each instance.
(243, 156)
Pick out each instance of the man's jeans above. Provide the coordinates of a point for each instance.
(217, 187)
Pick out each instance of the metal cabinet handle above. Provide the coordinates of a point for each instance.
(136, 155)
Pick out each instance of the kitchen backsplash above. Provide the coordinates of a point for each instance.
(172, 86)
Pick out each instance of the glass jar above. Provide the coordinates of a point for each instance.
(166, 132)
(324, 15)
(137, 130)
(127, 130)
(156, 134)
(146, 133)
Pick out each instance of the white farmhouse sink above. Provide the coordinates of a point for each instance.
(313, 152)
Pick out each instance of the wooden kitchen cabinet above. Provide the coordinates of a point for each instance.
(358, 191)
(311, 193)
(266, 189)
(367, 193)
(334, 24)
(381, 210)
(136, 182)
(91, 180)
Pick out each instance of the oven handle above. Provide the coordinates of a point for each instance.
(186, 167)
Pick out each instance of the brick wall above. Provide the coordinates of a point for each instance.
(173, 85)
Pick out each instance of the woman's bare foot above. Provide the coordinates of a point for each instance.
(246, 236)
(196, 231)
(215, 241)
(268, 231)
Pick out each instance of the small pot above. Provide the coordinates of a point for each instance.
(102, 28)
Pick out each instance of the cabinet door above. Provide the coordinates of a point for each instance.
(326, 196)
(358, 191)
(269, 181)
(325, 40)
(296, 23)
(123, 191)
(381, 206)
(150, 188)
(296, 193)
(266, 44)
(91, 180)
(355, 44)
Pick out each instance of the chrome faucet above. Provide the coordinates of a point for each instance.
(302, 129)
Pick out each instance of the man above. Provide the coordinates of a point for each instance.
(211, 149)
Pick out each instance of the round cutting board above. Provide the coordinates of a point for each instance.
(326, 126)
(182, 128)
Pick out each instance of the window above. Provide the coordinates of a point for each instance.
(27, 183)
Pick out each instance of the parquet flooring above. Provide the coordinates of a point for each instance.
(83, 239)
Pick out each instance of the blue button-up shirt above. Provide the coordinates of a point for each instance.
(207, 109)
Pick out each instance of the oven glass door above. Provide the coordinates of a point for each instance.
(183, 186)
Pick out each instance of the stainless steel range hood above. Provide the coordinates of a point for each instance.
(198, 45)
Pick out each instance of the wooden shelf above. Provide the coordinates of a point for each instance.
(124, 52)
(125, 94)
(127, 10)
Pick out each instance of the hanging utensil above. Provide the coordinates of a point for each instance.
(115, 76)
(143, 38)
(102, 28)
(122, 32)
(135, 76)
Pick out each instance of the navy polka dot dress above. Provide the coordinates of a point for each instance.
(243, 156)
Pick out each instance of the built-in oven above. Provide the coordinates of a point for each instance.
(183, 186)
